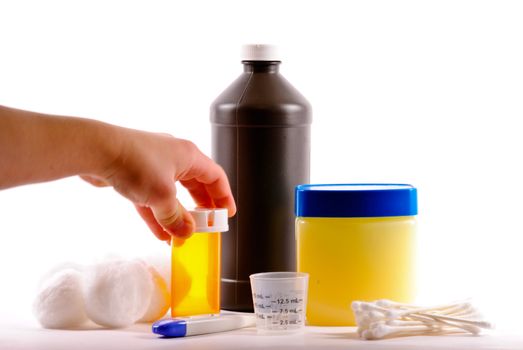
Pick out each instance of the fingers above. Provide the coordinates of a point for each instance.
(221, 193)
(148, 176)
(164, 214)
(208, 184)
(170, 214)
(198, 193)
(148, 216)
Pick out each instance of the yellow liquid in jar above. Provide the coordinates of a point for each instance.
(195, 287)
(354, 259)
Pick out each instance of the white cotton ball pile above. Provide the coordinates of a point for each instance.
(113, 294)
(161, 262)
(59, 303)
(67, 265)
(160, 298)
(117, 293)
(160, 269)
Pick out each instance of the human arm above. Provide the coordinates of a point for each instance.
(142, 166)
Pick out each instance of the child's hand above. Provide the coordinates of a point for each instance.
(145, 171)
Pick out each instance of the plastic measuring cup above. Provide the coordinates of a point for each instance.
(280, 300)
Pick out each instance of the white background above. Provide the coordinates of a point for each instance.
(421, 92)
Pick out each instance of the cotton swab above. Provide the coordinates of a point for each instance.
(431, 321)
(481, 324)
(385, 318)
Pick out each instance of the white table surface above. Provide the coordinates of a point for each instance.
(29, 336)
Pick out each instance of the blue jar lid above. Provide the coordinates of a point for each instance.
(356, 200)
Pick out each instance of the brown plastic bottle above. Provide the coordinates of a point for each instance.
(261, 137)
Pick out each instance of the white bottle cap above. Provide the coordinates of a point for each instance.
(210, 220)
(260, 52)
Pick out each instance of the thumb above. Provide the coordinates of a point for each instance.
(174, 218)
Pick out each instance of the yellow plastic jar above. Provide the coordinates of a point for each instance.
(195, 265)
(356, 242)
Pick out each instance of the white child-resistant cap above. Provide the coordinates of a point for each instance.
(260, 52)
(210, 219)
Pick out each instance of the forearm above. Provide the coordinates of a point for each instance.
(36, 147)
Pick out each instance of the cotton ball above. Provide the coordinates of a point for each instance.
(160, 300)
(161, 261)
(68, 265)
(117, 293)
(59, 303)
(160, 269)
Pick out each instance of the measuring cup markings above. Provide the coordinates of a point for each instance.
(279, 300)
(279, 310)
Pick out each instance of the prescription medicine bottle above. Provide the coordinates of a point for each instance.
(195, 270)
(356, 242)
